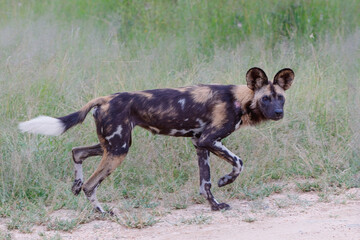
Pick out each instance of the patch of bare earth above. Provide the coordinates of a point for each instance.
(290, 215)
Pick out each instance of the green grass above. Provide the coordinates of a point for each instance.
(138, 220)
(56, 56)
(5, 236)
(24, 215)
(62, 225)
(198, 220)
(249, 219)
(308, 186)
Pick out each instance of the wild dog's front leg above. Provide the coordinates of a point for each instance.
(205, 180)
(211, 143)
(79, 154)
(235, 161)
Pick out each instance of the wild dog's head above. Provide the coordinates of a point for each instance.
(269, 97)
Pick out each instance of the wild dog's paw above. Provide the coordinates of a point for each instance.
(225, 180)
(220, 206)
(111, 213)
(76, 187)
(104, 213)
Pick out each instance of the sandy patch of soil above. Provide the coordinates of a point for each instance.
(281, 216)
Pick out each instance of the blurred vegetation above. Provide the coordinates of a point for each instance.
(206, 24)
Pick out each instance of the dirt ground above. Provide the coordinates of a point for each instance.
(291, 215)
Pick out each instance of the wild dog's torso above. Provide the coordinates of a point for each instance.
(179, 111)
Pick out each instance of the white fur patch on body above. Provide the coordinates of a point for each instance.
(117, 132)
(93, 111)
(182, 103)
(43, 125)
(195, 130)
(156, 130)
(182, 131)
(237, 126)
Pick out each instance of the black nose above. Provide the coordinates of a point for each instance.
(279, 111)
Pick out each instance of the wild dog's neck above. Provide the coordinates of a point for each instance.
(251, 113)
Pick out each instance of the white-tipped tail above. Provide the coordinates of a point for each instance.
(43, 125)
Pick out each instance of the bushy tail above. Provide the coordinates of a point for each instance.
(56, 126)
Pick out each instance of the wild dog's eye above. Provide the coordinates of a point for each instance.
(280, 97)
(265, 99)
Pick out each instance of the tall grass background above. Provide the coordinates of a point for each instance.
(57, 55)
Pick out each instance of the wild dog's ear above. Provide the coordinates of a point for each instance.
(284, 78)
(256, 78)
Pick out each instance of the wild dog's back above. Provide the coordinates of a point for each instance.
(175, 111)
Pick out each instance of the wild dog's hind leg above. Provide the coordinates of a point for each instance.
(205, 180)
(107, 165)
(116, 146)
(79, 154)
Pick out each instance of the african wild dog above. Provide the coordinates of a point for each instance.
(206, 113)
